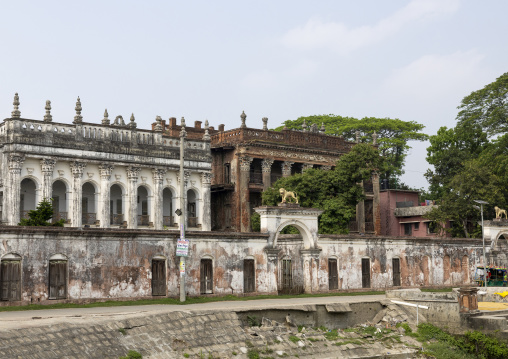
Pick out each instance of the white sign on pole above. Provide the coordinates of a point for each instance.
(182, 248)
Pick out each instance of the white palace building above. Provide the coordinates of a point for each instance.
(106, 175)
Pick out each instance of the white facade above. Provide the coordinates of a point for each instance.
(103, 175)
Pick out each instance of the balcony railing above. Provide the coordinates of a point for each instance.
(116, 218)
(143, 220)
(88, 218)
(168, 221)
(59, 216)
(192, 221)
(256, 177)
(369, 226)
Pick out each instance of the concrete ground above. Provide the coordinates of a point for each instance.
(33, 318)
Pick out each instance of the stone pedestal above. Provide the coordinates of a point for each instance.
(468, 300)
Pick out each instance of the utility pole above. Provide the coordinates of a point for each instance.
(183, 216)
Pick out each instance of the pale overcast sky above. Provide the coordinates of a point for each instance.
(413, 60)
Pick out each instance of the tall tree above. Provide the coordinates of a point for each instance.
(487, 107)
(393, 136)
(336, 191)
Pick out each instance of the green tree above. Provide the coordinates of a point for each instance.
(393, 136)
(487, 108)
(336, 192)
(474, 182)
(41, 216)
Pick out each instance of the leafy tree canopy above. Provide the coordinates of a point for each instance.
(393, 136)
(41, 216)
(487, 108)
(336, 191)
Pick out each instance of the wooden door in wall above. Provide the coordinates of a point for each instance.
(249, 276)
(11, 280)
(333, 275)
(57, 279)
(396, 272)
(287, 275)
(365, 273)
(158, 277)
(206, 276)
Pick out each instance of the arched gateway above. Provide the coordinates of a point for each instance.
(275, 219)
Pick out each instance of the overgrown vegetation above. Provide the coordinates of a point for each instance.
(132, 354)
(41, 216)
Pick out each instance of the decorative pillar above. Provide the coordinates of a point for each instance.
(306, 166)
(103, 212)
(158, 177)
(245, 162)
(265, 123)
(286, 168)
(272, 255)
(310, 259)
(206, 217)
(47, 167)
(14, 195)
(132, 209)
(76, 206)
(266, 167)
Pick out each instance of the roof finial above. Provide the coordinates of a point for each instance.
(265, 123)
(47, 116)
(243, 116)
(105, 120)
(206, 136)
(133, 124)
(158, 124)
(183, 133)
(357, 136)
(304, 126)
(374, 138)
(16, 113)
(322, 129)
(78, 118)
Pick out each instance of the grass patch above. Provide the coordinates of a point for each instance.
(332, 335)
(294, 339)
(352, 341)
(253, 354)
(132, 354)
(313, 340)
(174, 301)
(123, 331)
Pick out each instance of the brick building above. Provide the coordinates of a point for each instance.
(246, 161)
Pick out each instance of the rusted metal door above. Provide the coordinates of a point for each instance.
(333, 275)
(57, 279)
(11, 280)
(249, 276)
(158, 277)
(287, 274)
(206, 277)
(396, 272)
(365, 273)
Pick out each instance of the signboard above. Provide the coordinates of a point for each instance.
(182, 248)
(182, 268)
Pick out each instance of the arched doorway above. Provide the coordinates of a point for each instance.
(10, 277)
(88, 204)
(167, 207)
(116, 205)
(28, 198)
(143, 206)
(60, 201)
(192, 209)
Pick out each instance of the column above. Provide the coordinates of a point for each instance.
(306, 166)
(376, 203)
(266, 167)
(75, 205)
(13, 196)
(158, 177)
(132, 203)
(244, 204)
(103, 210)
(206, 217)
(286, 168)
(47, 167)
(272, 255)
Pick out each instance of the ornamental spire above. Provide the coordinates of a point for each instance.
(16, 113)
(158, 124)
(132, 124)
(243, 116)
(206, 136)
(78, 118)
(47, 116)
(183, 133)
(105, 120)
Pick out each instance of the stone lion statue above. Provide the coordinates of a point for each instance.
(500, 212)
(288, 195)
